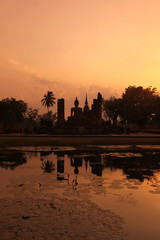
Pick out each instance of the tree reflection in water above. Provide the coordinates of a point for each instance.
(142, 167)
(12, 159)
(60, 166)
(95, 162)
(48, 166)
(138, 166)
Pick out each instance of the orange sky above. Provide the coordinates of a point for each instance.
(76, 46)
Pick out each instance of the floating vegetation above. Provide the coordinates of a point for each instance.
(123, 154)
(86, 194)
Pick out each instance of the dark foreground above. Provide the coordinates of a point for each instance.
(69, 140)
(98, 187)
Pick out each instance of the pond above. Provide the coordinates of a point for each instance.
(125, 185)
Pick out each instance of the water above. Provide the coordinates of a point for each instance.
(127, 183)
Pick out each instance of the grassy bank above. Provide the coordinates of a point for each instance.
(13, 141)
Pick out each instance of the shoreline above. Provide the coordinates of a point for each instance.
(14, 140)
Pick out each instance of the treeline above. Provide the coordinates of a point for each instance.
(138, 107)
(16, 116)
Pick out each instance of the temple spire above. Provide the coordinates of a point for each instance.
(86, 102)
(86, 108)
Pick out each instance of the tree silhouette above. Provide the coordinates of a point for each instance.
(31, 117)
(112, 109)
(138, 103)
(48, 100)
(12, 113)
(48, 119)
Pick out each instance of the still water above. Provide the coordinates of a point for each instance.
(128, 183)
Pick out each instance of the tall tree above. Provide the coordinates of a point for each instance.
(48, 119)
(48, 100)
(138, 104)
(12, 113)
(31, 117)
(112, 109)
(156, 114)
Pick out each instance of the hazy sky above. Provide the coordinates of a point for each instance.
(74, 47)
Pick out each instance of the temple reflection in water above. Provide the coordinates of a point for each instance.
(140, 167)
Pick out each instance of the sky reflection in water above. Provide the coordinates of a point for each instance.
(127, 183)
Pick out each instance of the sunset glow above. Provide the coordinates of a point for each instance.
(76, 47)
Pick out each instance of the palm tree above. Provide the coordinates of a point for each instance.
(48, 99)
(48, 166)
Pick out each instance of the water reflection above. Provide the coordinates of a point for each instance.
(48, 166)
(113, 180)
(45, 153)
(11, 160)
(76, 162)
(137, 166)
(96, 164)
(60, 166)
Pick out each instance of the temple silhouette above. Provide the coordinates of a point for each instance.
(81, 120)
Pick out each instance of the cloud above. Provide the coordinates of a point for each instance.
(33, 75)
(14, 62)
(42, 80)
(20, 81)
